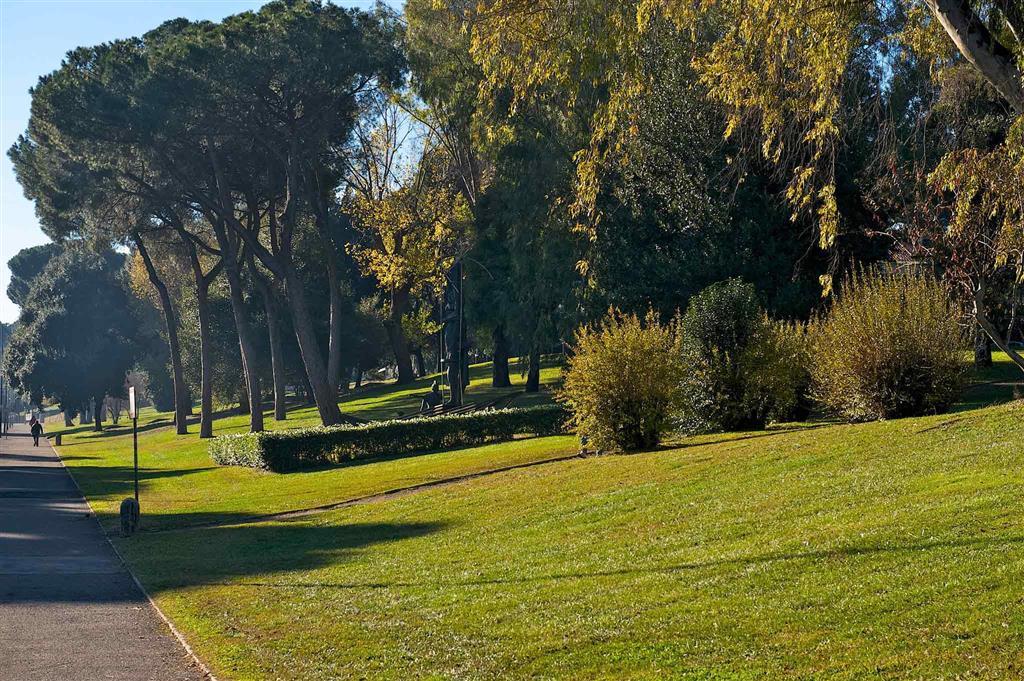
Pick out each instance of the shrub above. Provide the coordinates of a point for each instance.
(890, 346)
(289, 450)
(781, 366)
(622, 383)
(742, 369)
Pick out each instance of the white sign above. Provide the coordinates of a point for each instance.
(132, 413)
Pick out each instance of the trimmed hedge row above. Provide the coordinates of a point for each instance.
(290, 450)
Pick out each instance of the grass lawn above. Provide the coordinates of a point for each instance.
(180, 484)
(881, 550)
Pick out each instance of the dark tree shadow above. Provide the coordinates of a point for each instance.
(210, 555)
(116, 481)
(854, 551)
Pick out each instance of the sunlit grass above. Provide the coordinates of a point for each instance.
(891, 549)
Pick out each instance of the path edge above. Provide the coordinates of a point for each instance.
(205, 670)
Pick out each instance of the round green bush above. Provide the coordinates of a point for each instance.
(890, 346)
(742, 369)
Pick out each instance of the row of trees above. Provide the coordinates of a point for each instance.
(301, 186)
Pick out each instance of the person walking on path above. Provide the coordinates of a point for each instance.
(37, 430)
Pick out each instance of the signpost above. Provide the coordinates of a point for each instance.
(134, 415)
(130, 507)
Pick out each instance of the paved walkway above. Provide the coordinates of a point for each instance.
(68, 608)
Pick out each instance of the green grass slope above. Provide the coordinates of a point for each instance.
(881, 550)
(181, 485)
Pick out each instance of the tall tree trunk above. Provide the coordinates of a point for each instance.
(182, 401)
(202, 282)
(245, 344)
(334, 283)
(323, 392)
(977, 44)
(205, 361)
(396, 336)
(276, 355)
(68, 419)
(533, 371)
(274, 336)
(499, 363)
(97, 413)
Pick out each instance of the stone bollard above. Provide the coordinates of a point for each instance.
(129, 517)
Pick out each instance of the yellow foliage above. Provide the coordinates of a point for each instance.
(988, 192)
(410, 236)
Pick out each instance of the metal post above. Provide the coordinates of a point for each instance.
(135, 450)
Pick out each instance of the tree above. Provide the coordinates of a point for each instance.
(25, 266)
(784, 73)
(75, 337)
(411, 222)
(243, 122)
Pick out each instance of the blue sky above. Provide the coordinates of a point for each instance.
(34, 37)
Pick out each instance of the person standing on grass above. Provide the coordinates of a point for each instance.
(37, 430)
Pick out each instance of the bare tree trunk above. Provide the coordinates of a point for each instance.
(276, 347)
(977, 44)
(205, 361)
(323, 392)
(533, 371)
(245, 344)
(68, 419)
(333, 281)
(182, 402)
(274, 337)
(97, 413)
(396, 336)
(499, 363)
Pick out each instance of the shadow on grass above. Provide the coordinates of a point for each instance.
(210, 555)
(116, 481)
(740, 561)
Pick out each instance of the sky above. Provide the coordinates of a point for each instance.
(34, 37)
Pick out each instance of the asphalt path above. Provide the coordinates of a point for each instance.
(69, 609)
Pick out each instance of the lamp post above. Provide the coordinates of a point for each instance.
(130, 506)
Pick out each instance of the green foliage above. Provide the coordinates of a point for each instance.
(891, 346)
(742, 369)
(26, 266)
(622, 383)
(76, 337)
(282, 451)
(781, 370)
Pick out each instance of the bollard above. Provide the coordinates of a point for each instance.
(129, 517)
(57, 439)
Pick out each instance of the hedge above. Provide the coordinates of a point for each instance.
(296, 449)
